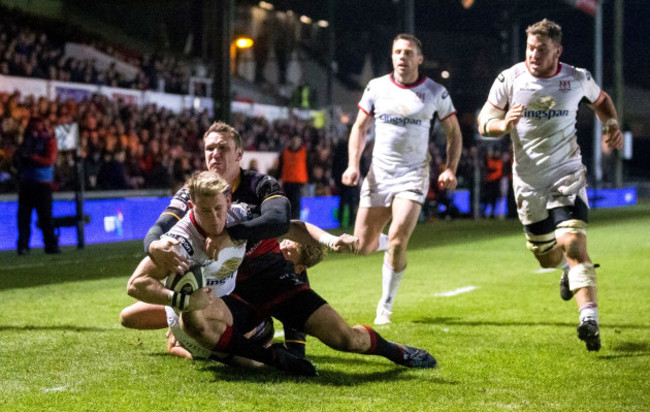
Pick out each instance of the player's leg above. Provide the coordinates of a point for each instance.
(213, 328)
(143, 315)
(572, 238)
(25, 207)
(368, 227)
(405, 213)
(296, 339)
(330, 328)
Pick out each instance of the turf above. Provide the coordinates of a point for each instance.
(510, 343)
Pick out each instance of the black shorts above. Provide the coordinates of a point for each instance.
(276, 293)
(579, 211)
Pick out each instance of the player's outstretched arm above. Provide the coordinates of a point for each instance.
(306, 233)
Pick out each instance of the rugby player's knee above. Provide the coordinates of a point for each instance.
(127, 320)
(571, 236)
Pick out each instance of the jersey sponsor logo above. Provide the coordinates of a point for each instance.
(213, 282)
(565, 86)
(501, 78)
(588, 74)
(545, 114)
(398, 120)
(543, 108)
(184, 242)
(445, 94)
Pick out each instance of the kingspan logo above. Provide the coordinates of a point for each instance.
(545, 114)
(543, 109)
(398, 120)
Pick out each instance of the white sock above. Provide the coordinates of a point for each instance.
(389, 285)
(383, 242)
(589, 311)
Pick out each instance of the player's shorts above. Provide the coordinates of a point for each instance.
(578, 211)
(192, 346)
(382, 185)
(276, 293)
(534, 203)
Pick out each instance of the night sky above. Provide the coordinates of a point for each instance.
(376, 21)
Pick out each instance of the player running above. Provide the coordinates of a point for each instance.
(402, 106)
(536, 101)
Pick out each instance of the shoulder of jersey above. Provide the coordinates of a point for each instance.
(180, 199)
(239, 212)
(578, 72)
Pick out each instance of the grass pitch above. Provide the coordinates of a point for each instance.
(472, 295)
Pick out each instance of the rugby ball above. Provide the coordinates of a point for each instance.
(188, 282)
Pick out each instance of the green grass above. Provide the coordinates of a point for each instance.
(509, 344)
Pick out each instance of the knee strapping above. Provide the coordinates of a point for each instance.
(571, 226)
(540, 244)
(581, 276)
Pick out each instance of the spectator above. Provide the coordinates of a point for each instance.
(494, 173)
(36, 156)
(293, 172)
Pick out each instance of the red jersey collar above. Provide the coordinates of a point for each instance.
(196, 225)
(419, 81)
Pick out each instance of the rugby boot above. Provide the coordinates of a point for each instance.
(416, 358)
(588, 332)
(565, 291)
(293, 365)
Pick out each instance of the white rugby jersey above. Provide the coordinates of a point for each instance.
(545, 137)
(220, 274)
(403, 116)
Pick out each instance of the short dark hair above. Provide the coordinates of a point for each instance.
(221, 127)
(546, 28)
(411, 38)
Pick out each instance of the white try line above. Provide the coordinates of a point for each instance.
(458, 291)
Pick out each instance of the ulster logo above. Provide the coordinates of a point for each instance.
(565, 85)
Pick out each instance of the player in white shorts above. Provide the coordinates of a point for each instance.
(402, 106)
(536, 101)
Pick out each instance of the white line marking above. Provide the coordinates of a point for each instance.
(547, 270)
(457, 291)
(56, 389)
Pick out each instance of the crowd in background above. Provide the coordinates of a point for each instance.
(27, 50)
(126, 147)
(123, 146)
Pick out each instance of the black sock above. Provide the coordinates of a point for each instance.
(382, 347)
(235, 343)
(294, 338)
(295, 341)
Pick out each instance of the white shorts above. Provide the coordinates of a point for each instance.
(533, 203)
(381, 186)
(192, 346)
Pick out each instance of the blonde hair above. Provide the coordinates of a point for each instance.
(546, 28)
(206, 183)
(310, 254)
